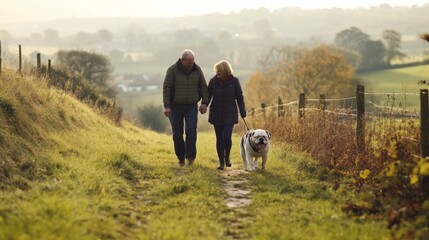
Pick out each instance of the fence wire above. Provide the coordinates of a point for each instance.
(380, 118)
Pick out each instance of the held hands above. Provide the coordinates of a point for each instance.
(167, 112)
(203, 108)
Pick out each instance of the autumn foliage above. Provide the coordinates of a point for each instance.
(291, 71)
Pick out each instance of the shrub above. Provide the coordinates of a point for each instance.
(151, 116)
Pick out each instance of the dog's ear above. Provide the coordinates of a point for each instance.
(252, 133)
(268, 133)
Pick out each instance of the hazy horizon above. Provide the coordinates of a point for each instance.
(25, 10)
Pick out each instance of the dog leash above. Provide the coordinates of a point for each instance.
(245, 124)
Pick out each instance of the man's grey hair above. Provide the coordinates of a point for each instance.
(186, 53)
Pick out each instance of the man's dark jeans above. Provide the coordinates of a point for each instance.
(184, 116)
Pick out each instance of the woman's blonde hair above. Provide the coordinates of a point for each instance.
(223, 66)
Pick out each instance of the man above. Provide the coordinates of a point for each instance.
(184, 86)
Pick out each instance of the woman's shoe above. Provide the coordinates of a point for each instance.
(228, 163)
(221, 164)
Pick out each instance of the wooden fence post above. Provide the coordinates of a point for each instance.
(280, 111)
(360, 121)
(20, 60)
(39, 63)
(322, 102)
(263, 108)
(424, 136)
(301, 105)
(49, 67)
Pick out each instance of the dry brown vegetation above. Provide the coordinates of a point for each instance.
(385, 175)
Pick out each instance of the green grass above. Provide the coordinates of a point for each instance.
(159, 69)
(131, 101)
(292, 201)
(69, 173)
(398, 81)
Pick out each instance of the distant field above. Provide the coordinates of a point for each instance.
(154, 69)
(398, 81)
(131, 101)
(139, 68)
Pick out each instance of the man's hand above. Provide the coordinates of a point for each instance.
(203, 108)
(167, 112)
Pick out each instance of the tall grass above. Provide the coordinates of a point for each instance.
(384, 174)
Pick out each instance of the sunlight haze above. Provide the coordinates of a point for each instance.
(44, 10)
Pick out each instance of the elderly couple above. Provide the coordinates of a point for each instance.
(184, 86)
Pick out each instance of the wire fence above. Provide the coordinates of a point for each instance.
(373, 115)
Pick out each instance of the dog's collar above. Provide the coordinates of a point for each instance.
(254, 147)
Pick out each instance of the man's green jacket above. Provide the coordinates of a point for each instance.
(181, 87)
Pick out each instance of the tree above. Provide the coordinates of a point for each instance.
(104, 35)
(424, 37)
(51, 36)
(352, 39)
(83, 38)
(254, 95)
(373, 53)
(352, 57)
(392, 43)
(93, 67)
(321, 69)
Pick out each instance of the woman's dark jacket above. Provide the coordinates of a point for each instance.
(224, 96)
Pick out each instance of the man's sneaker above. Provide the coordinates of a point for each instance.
(181, 162)
(191, 161)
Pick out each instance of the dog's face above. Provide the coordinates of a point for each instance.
(255, 144)
(260, 138)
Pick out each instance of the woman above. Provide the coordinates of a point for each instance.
(224, 95)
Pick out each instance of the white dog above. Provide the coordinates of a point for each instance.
(253, 145)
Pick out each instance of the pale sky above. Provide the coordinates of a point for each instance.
(42, 10)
